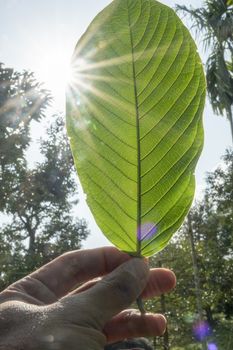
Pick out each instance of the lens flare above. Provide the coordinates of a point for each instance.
(146, 231)
(201, 330)
(212, 346)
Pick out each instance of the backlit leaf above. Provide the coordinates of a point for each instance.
(134, 118)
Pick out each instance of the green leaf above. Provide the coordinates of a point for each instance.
(134, 118)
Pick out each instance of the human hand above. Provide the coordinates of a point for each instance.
(46, 311)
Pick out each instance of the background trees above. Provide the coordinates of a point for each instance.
(215, 21)
(22, 100)
(38, 203)
(211, 221)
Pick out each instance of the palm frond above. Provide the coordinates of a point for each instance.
(214, 21)
(219, 82)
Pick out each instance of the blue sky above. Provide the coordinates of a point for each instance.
(40, 35)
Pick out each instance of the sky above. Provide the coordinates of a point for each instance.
(40, 35)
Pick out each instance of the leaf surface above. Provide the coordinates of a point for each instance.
(134, 118)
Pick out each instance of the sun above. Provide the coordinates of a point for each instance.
(52, 68)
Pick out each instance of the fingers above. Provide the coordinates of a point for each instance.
(160, 281)
(108, 297)
(63, 273)
(130, 324)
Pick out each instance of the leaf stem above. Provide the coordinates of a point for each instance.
(141, 306)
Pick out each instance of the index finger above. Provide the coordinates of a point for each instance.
(65, 272)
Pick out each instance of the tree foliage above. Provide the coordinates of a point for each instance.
(22, 100)
(215, 21)
(212, 226)
(37, 203)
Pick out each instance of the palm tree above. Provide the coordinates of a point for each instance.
(215, 19)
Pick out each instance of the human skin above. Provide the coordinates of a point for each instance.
(46, 310)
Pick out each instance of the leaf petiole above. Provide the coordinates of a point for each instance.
(141, 306)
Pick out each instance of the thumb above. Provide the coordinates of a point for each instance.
(114, 293)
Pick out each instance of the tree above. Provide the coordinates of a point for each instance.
(215, 19)
(39, 208)
(212, 226)
(22, 100)
(208, 295)
(180, 304)
(37, 203)
(219, 212)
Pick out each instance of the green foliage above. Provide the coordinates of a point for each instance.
(212, 226)
(134, 121)
(36, 203)
(22, 100)
(40, 224)
(214, 20)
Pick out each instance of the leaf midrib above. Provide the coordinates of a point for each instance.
(138, 228)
